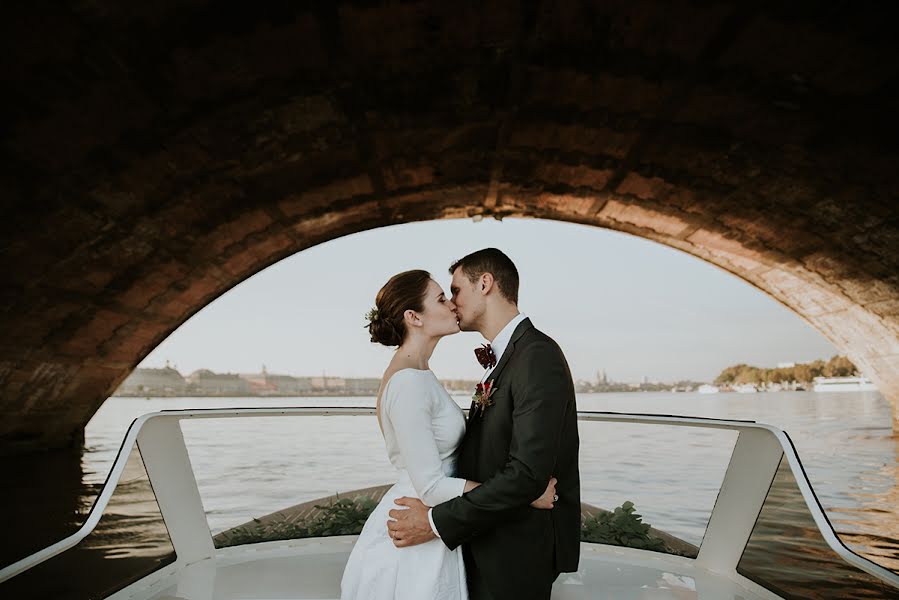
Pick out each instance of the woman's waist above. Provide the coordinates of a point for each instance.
(448, 467)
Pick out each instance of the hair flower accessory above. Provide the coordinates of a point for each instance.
(373, 315)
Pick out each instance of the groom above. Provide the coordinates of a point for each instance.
(519, 437)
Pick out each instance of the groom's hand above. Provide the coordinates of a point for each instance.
(411, 526)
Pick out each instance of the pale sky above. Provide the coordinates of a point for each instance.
(612, 301)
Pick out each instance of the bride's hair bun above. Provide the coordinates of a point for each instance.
(385, 332)
(402, 292)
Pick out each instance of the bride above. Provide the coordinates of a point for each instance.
(422, 429)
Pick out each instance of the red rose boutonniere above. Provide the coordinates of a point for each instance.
(482, 395)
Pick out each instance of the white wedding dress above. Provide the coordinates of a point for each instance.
(422, 429)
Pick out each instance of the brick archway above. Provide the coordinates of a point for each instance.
(158, 158)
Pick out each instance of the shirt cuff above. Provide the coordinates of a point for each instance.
(431, 521)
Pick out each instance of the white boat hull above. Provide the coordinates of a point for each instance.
(312, 568)
(188, 565)
(844, 384)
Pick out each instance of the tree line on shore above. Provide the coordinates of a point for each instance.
(805, 373)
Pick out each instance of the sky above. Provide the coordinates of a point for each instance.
(612, 301)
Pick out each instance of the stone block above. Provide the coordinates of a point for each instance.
(575, 176)
(317, 199)
(85, 340)
(644, 218)
(566, 204)
(406, 176)
(728, 250)
(588, 141)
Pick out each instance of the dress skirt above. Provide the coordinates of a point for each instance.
(378, 570)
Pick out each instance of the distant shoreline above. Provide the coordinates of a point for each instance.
(244, 395)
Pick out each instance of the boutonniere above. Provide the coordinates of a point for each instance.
(482, 395)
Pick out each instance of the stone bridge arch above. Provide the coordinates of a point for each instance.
(156, 156)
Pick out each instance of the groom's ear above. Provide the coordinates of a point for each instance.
(486, 283)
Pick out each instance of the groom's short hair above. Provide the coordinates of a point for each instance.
(493, 261)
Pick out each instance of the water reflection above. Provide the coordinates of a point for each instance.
(132, 526)
(128, 543)
(787, 554)
(871, 527)
(47, 499)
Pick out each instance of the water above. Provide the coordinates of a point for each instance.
(251, 467)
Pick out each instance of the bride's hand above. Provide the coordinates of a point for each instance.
(549, 496)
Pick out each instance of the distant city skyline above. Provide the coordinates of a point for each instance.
(614, 302)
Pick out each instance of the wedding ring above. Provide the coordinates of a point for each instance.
(555, 497)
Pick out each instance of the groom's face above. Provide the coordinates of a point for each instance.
(469, 303)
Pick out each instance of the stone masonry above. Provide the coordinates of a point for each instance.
(156, 154)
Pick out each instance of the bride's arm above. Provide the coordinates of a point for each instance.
(409, 406)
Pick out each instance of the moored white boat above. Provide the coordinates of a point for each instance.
(766, 537)
(844, 384)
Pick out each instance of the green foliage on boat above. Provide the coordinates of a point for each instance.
(344, 516)
(621, 527)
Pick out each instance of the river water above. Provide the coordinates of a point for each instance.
(251, 467)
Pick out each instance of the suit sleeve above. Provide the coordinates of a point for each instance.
(539, 392)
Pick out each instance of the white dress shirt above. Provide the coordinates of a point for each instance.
(499, 345)
(501, 341)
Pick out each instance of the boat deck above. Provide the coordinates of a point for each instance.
(310, 569)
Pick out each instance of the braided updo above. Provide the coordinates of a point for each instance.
(404, 291)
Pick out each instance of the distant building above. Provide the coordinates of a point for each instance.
(362, 387)
(153, 382)
(786, 365)
(288, 384)
(324, 383)
(205, 382)
(268, 384)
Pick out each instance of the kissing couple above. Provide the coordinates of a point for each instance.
(486, 507)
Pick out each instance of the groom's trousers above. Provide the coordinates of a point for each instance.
(477, 588)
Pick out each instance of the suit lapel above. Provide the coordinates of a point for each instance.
(503, 361)
(472, 412)
(507, 353)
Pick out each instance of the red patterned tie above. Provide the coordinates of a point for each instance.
(485, 356)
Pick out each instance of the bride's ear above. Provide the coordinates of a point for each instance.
(412, 319)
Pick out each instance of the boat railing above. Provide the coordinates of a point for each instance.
(765, 513)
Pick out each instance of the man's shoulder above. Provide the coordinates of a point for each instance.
(536, 352)
(534, 339)
(532, 335)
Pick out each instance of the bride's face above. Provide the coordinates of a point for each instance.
(439, 315)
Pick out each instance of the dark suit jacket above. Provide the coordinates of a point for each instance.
(528, 435)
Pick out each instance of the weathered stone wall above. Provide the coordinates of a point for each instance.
(157, 154)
